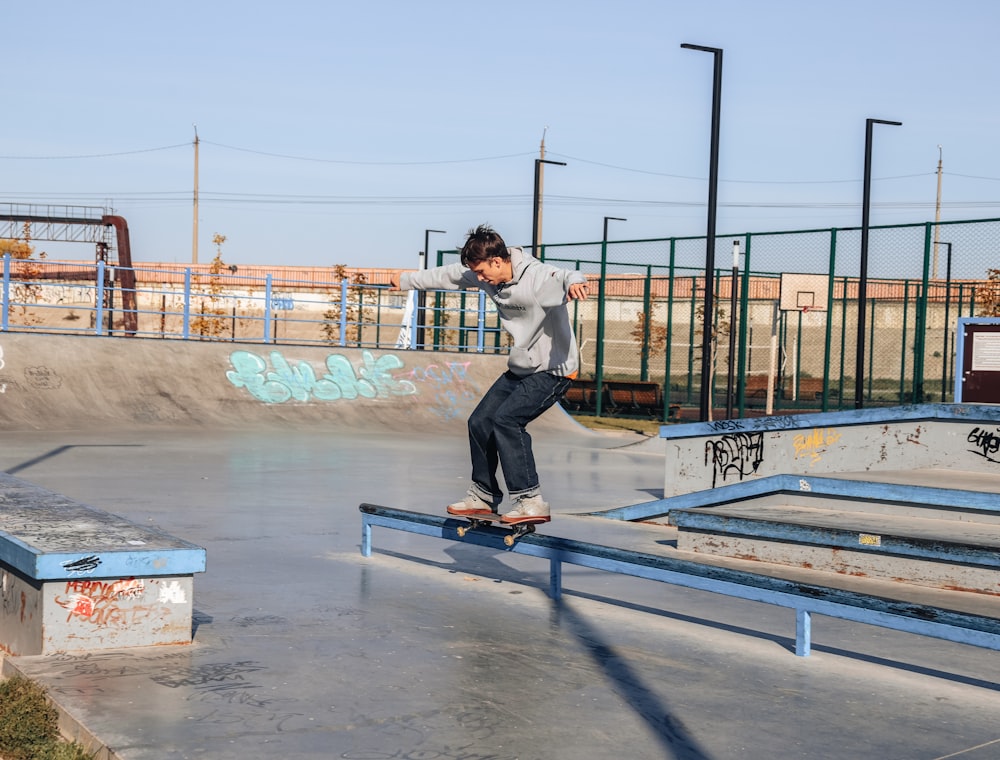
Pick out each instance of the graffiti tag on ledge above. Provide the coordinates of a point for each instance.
(739, 455)
(987, 442)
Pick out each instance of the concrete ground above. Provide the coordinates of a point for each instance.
(433, 649)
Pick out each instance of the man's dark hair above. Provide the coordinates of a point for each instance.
(482, 244)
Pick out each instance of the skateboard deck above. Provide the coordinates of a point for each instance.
(517, 529)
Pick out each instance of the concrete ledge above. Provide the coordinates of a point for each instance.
(908, 413)
(860, 491)
(46, 536)
(705, 456)
(73, 577)
(957, 555)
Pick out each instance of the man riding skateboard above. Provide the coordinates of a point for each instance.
(531, 299)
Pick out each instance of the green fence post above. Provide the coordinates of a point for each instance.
(668, 349)
(843, 343)
(828, 345)
(602, 293)
(920, 341)
(647, 307)
(871, 343)
(744, 335)
(902, 359)
(690, 372)
(798, 359)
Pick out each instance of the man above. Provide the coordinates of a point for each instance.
(531, 298)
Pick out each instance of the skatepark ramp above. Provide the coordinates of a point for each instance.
(804, 599)
(61, 382)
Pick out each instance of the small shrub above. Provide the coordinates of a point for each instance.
(29, 724)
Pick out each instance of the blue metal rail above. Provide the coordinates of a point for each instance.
(805, 599)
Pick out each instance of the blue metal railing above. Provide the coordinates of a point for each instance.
(184, 304)
(805, 599)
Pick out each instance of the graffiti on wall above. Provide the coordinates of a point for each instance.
(12, 595)
(83, 565)
(813, 444)
(275, 380)
(99, 602)
(986, 442)
(117, 603)
(282, 381)
(41, 378)
(447, 384)
(737, 455)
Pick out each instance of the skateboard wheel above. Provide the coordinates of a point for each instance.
(509, 540)
(462, 530)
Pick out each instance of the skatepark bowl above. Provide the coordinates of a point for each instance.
(228, 486)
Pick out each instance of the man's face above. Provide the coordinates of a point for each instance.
(495, 271)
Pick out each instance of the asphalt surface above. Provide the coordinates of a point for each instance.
(429, 649)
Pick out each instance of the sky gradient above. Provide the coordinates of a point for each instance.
(337, 133)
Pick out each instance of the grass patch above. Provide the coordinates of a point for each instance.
(645, 427)
(29, 725)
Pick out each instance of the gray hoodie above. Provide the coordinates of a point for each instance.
(532, 308)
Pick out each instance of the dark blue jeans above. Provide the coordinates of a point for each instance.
(497, 434)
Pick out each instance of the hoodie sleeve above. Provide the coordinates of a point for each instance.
(551, 284)
(449, 277)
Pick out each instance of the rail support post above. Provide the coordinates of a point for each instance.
(803, 632)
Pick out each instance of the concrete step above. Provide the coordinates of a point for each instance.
(912, 548)
(928, 503)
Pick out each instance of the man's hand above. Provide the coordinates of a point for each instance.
(394, 281)
(578, 291)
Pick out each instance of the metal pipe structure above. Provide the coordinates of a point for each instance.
(859, 362)
(713, 194)
(536, 243)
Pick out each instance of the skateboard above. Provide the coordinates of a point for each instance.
(518, 529)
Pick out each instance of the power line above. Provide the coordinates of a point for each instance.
(314, 159)
(734, 181)
(365, 163)
(257, 199)
(93, 155)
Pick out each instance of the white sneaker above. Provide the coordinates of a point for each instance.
(471, 504)
(528, 508)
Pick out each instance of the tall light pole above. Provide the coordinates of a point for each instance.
(713, 195)
(601, 295)
(536, 242)
(421, 295)
(859, 361)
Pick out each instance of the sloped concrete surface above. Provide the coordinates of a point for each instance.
(431, 648)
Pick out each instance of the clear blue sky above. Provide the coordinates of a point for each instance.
(336, 133)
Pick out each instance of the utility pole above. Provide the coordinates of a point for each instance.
(194, 232)
(937, 217)
(539, 193)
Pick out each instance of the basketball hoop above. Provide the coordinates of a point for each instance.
(805, 309)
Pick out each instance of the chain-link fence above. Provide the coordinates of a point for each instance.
(795, 313)
(784, 320)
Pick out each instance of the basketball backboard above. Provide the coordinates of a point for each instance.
(803, 292)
